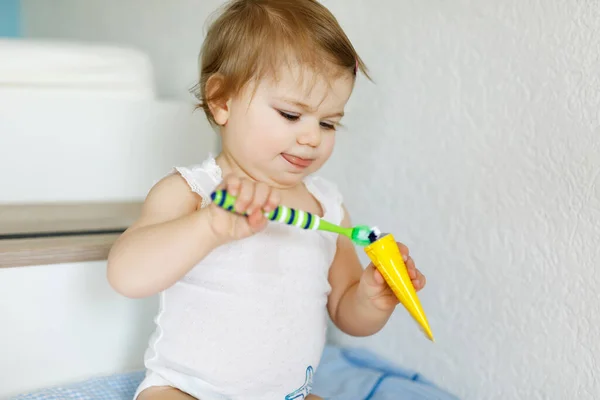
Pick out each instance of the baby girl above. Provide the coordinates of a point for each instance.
(244, 304)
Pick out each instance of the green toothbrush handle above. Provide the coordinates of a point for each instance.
(329, 227)
(281, 214)
(297, 218)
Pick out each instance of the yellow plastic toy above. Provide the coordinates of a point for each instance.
(382, 250)
(386, 257)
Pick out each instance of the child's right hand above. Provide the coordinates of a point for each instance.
(253, 198)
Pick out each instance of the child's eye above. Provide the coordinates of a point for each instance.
(328, 126)
(288, 116)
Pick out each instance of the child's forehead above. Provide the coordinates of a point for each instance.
(305, 84)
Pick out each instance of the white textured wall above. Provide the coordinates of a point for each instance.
(484, 129)
(483, 132)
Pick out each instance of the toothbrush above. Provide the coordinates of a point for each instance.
(382, 249)
(361, 235)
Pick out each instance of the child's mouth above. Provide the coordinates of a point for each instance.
(297, 161)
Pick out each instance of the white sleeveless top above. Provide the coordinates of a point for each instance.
(249, 321)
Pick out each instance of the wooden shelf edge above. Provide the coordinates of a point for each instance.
(55, 250)
(57, 217)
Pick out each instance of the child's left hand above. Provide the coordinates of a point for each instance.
(374, 287)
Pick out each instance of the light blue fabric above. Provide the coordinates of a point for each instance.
(114, 387)
(358, 374)
(344, 374)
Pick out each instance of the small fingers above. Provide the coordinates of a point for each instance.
(370, 276)
(417, 278)
(257, 221)
(272, 201)
(420, 281)
(403, 250)
(410, 267)
(245, 196)
(231, 183)
(377, 277)
(261, 195)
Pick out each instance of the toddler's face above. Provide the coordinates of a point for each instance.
(286, 129)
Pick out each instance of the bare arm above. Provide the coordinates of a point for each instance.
(360, 302)
(349, 308)
(170, 237)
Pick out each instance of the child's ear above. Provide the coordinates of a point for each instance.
(219, 107)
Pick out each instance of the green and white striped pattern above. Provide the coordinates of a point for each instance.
(298, 218)
(361, 235)
(281, 214)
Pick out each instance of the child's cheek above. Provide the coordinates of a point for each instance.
(326, 147)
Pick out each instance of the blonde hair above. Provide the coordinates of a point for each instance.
(250, 38)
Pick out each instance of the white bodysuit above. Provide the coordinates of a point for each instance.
(249, 321)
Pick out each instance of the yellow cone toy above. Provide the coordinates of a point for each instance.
(382, 250)
(386, 256)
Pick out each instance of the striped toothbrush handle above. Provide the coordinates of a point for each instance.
(281, 214)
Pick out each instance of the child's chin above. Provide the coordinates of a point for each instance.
(290, 179)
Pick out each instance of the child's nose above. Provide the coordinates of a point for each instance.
(310, 136)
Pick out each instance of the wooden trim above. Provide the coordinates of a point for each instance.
(44, 251)
(60, 217)
(42, 234)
